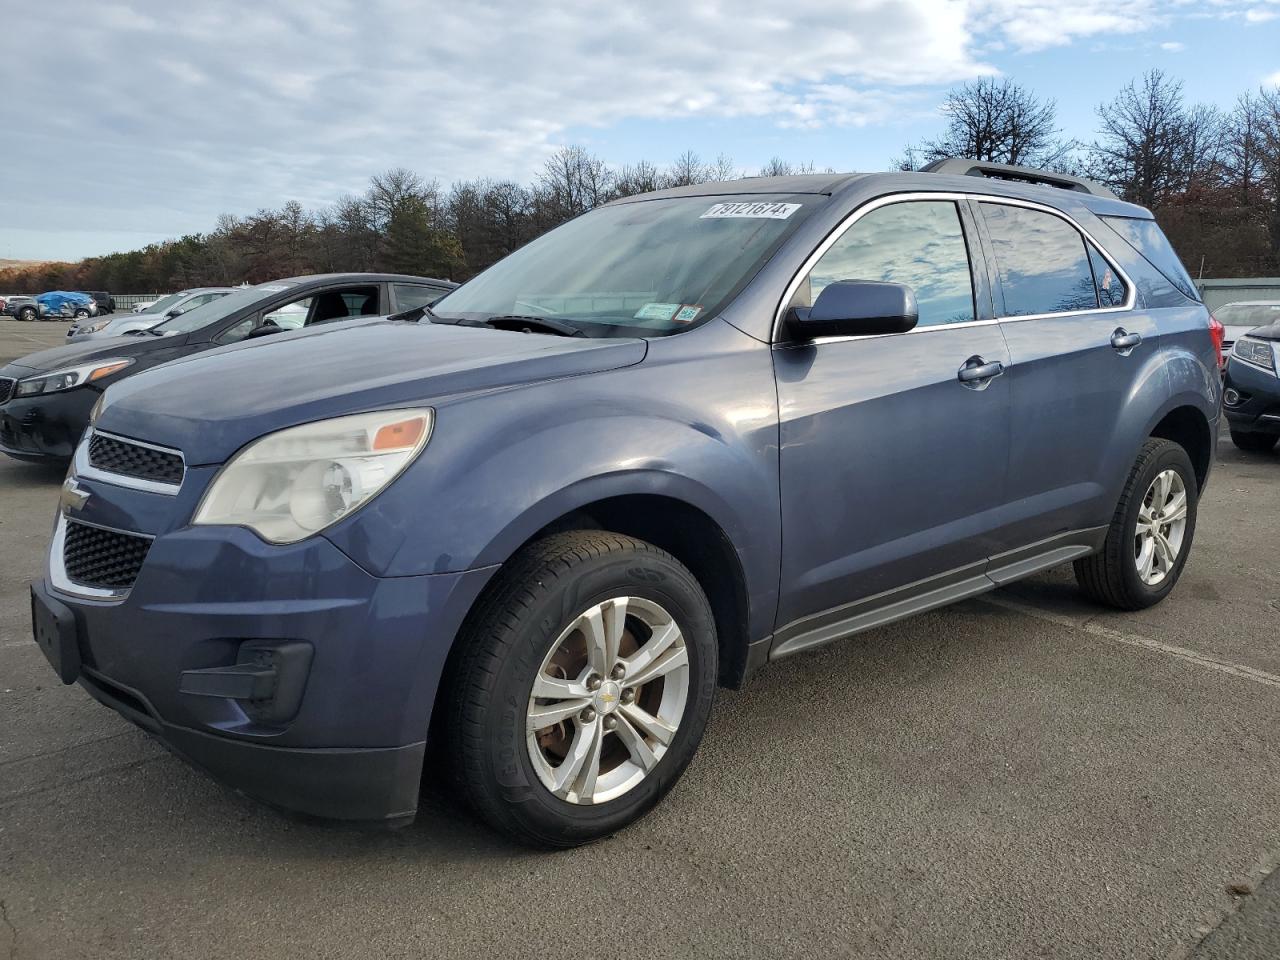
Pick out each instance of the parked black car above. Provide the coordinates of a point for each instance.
(45, 398)
(1251, 395)
(105, 301)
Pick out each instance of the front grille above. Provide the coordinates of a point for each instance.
(6, 389)
(94, 557)
(134, 460)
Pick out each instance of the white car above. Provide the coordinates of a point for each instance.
(163, 309)
(1242, 316)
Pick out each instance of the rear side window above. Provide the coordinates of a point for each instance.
(917, 243)
(1042, 261)
(1148, 239)
(1111, 289)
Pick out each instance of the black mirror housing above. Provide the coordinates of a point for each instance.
(855, 308)
(263, 330)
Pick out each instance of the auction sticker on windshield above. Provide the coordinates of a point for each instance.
(657, 311)
(755, 209)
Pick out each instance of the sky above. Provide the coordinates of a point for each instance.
(142, 121)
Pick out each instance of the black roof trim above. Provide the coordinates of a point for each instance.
(957, 166)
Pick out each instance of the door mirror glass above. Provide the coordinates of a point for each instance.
(855, 308)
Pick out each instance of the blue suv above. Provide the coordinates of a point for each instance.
(534, 526)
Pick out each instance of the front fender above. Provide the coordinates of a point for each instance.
(696, 422)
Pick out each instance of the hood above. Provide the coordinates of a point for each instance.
(84, 351)
(121, 325)
(1270, 332)
(212, 404)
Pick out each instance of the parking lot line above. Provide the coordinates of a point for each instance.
(1134, 640)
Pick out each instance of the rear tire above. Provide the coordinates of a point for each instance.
(536, 624)
(1150, 535)
(1254, 442)
(27, 314)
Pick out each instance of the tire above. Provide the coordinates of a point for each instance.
(526, 620)
(1254, 442)
(82, 315)
(1113, 576)
(28, 314)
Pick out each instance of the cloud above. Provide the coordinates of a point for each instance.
(1173, 46)
(193, 109)
(1273, 80)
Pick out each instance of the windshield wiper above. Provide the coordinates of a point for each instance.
(527, 324)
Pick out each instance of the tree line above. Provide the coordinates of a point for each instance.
(1211, 175)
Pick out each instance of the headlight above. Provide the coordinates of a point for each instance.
(289, 485)
(1257, 352)
(70, 377)
(93, 327)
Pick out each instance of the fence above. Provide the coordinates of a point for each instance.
(1218, 292)
(127, 301)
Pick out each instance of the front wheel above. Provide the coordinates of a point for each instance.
(82, 315)
(27, 314)
(1254, 442)
(585, 685)
(1150, 535)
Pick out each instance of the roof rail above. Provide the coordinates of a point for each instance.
(956, 166)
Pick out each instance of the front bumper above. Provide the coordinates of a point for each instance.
(354, 747)
(1258, 410)
(45, 428)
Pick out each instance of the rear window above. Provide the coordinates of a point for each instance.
(1248, 314)
(1148, 239)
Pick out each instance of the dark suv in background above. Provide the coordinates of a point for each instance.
(684, 435)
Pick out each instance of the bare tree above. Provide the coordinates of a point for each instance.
(572, 182)
(688, 169)
(1151, 145)
(1244, 145)
(997, 121)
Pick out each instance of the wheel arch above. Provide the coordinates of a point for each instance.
(672, 513)
(1186, 425)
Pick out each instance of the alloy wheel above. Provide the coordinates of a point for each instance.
(607, 700)
(1162, 525)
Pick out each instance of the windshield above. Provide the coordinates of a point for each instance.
(222, 307)
(649, 268)
(1248, 314)
(163, 304)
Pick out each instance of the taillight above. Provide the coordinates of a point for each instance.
(1217, 332)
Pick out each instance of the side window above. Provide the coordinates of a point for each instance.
(291, 316)
(410, 295)
(917, 243)
(1041, 260)
(344, 304)
(1111, 289)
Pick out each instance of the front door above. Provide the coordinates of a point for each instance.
(892, 460)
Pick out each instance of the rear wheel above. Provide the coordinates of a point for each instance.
(586, 681)
(27, 314)
(82, 314)
(1150, 534)
(1254, 442)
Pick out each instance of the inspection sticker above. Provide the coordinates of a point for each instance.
(755, 209)
(657, 311)
(687, 313)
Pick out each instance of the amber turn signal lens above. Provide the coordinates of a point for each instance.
(109, 369)
(398, 436)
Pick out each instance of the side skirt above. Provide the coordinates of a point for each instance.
(819, 629)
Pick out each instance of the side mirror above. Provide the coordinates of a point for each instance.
(263, 330)
(172, 313)
(855, 308)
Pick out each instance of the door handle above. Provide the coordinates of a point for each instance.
(1125, 342)
(977, 373)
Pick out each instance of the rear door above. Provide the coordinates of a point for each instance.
(1078, 347)
(892, 461)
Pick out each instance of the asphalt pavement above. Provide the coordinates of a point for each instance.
(1022, 775)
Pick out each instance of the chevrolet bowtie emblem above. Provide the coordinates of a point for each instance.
(608, 697)
(73, 496)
